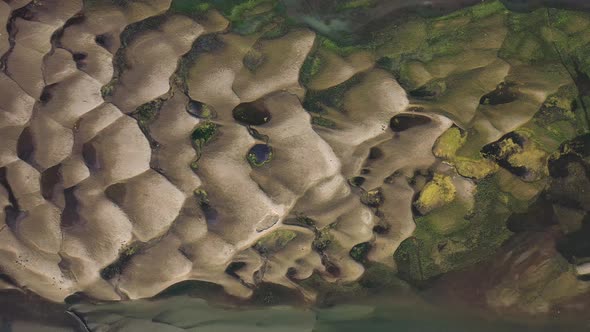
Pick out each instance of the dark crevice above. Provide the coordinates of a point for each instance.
(25, 146)
(12, 212)
(4, 182)
(70, 215)
(233, 268)
(24, 13)
(90, 156)
(49, 179)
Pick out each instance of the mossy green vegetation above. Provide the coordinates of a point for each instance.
(377, 279)
(524, 41)
(200, 136)
(339, 48)
(359, 252)
(356, 4)
(310, 68)
(204, 133)
(447, 147)
(148, 112)
(436, 193)
(323, 239)
(274, 241)
(448, 143)
(372, 198)
(477, 233)
(116, 268)
(191, 7)
(108, 89)
(202, 196)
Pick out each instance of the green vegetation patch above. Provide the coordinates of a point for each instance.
(447, 147)
(311, 67)
(339, 48)
(433, 250)
(448, 143)
(108, 89)
(359, 252)
(147, 112)
(377, 279)
(372, 198)
(356, 4)
(204, 133)
(437, 192)
(274, 241)
(323, 238)
(189, 7)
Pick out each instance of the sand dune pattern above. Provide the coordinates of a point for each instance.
(125, 170)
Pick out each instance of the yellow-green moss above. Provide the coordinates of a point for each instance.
(474, 168)
(448, 143)
(274, 241)
(323, 239)
(531, 157)
(447, 146)
(437, 247)
(438, 192)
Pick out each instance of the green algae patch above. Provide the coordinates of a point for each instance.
(204, 133)
(274, 241)
(447, 147)
(323, 239)
(359, 252)
(147, 112)
(200, 136)
(433, 250)
(356, 4)
(372, 198)
(108, 89)
(338, 48)
(189, 7)
(436, 193)
(525, 41)
(448, 143)
(310, 68)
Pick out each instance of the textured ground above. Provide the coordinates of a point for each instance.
(123, 168)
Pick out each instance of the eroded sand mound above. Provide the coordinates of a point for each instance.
(139, 149)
